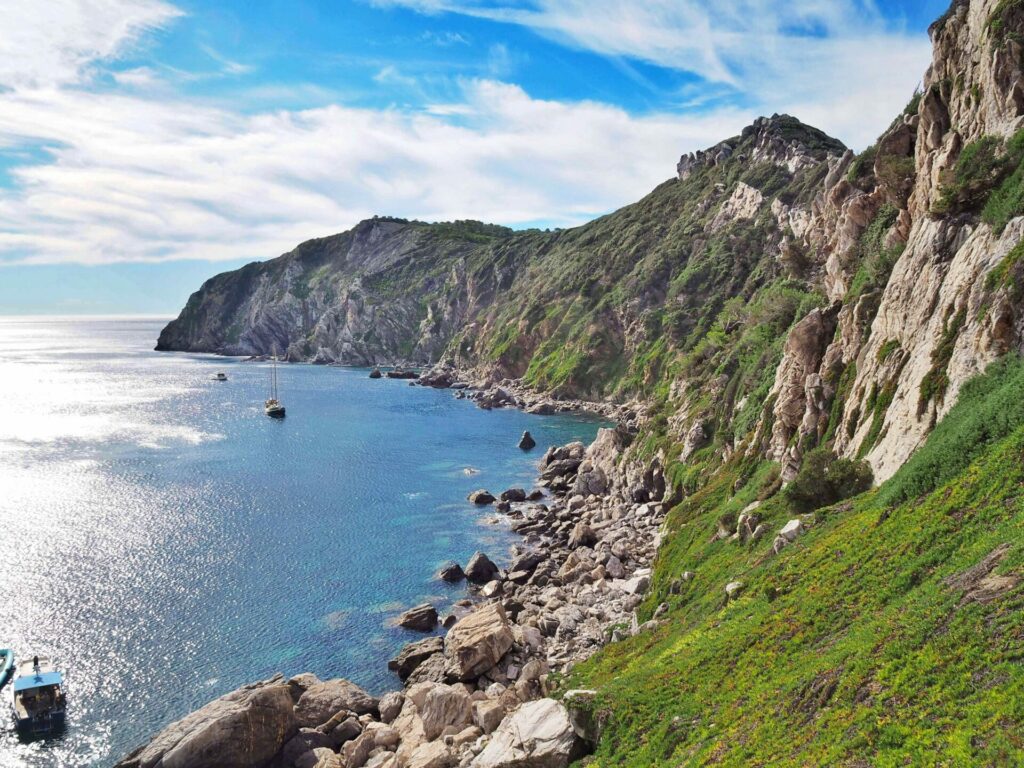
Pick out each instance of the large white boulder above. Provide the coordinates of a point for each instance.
(477, 642)
(537, 735)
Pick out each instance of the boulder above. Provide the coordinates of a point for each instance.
(526, 442)
(733, 589)
(306, 740)
(514, 494)
(452, 573)
(321, 757)
(580, 705)
(445, 706)
(242, 729)
(414, 654)
(422, 618)
(582, 536)
(537, 735)
(433, 755)
(481, 497)
(323, 700)
(480, 569)
(391, 703)
(431, 670)
(477, 642)
(791, 530)
(488, 714)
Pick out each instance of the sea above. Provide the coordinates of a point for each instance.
(164, 541)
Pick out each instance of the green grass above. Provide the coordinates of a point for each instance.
(848, 648)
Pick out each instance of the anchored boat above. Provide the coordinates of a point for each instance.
(219, 376)
(273, 407)
(39, 701)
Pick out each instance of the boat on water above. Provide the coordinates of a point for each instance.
(273, 407)
(39, 700)
(219, 376)
(6, 665)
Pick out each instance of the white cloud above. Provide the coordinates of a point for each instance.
(53, 42)
(141, 173)
(833, 61)
(147, 180)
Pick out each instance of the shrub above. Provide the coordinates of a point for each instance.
(988, 409)
(825, 479)
(968, 184)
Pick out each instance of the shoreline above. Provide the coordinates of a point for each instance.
(573, 581)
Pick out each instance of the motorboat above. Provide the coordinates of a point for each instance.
(39, 699)
(219, 376)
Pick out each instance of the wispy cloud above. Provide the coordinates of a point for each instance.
(45, 44)
(811, 57)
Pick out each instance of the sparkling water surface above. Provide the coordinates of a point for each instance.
(165, 542)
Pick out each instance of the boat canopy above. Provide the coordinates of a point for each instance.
(44, 680)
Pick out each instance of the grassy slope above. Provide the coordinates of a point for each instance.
(847, 648)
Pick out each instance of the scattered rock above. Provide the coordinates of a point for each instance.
(526, 442)
(733, 589)
(481, 497)
(323, 700)
(514, 494)
(445, 706)
(391, 704)
(414, 654)
(452, 573)
(480, 569)
(791, 530)
(477, 642)
(537, 735)
(422, 618)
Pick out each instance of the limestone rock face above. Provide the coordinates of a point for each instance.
(323, 700)
(243, 729)
(537, 735)
(477, 642)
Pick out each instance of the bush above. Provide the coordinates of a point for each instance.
(968, 184)
(825, 479)
(988, 409)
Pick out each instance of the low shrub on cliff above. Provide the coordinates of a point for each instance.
(825, 479)
(988, 408)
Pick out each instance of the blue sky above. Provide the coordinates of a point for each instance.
(147, 144)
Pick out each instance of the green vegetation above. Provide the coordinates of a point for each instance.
(875, 260)
(824, 480)
(860, 644)
(971, 180)
(1005, 22)
(1007, 200)
(936, 381)
(988, 408)
(1009, 273)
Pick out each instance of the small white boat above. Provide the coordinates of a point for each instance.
(219, 376)
(39, 701)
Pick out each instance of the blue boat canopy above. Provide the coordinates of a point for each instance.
(44, 680)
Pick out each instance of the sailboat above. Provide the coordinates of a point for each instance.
(273, 406)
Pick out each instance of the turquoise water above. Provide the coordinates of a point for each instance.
(166, 542)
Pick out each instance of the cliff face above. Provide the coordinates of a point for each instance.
(779, 294)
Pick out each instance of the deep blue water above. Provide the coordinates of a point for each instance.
(166, 542)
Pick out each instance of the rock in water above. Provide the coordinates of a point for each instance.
(526, 442)
(514, 494)
(537, 735)
(422, 618)
(452, 573)
(243, 729)
(481, 496)
(375, 373)
(476, 643)
(414, 654)
(480, 569)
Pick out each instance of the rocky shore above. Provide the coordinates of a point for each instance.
(481, 695)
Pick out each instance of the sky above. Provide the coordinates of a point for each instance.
(146, 145)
